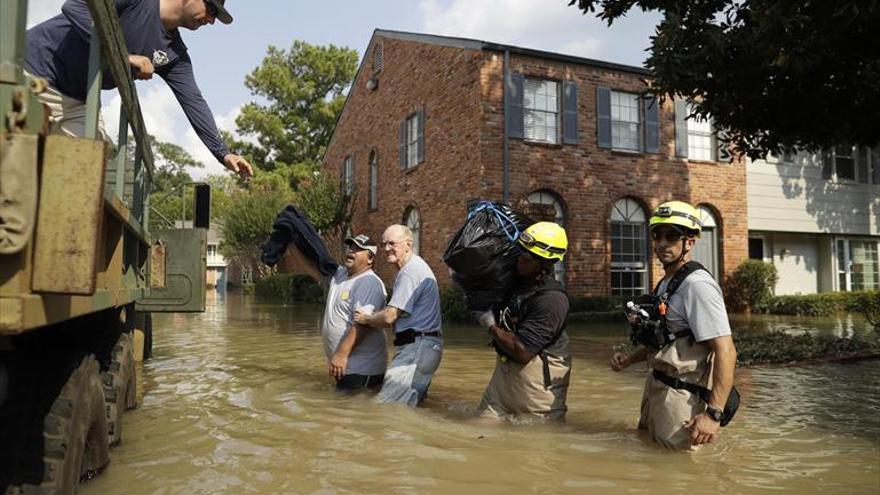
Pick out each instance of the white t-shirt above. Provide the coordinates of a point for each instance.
(697, 304)
(366, 293)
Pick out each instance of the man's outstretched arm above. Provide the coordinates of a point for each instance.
(181, 80)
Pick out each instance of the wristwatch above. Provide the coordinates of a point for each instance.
(714, 413)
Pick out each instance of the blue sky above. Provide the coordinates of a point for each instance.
(224, 55)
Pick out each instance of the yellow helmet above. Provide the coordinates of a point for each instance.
(677, 213)
(545, 239)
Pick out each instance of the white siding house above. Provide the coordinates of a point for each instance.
(817, 218)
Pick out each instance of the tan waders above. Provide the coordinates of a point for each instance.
(525, 391)
(665, 410)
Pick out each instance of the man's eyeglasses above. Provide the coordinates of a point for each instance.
(668, 235)
(212, 9)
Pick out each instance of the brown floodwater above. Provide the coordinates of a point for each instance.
(237, 400)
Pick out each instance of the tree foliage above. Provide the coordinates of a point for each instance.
(750, 287)
(302, 91)
(247, 223)
(170, 172)
(776, 73)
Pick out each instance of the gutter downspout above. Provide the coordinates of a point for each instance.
(506, 151)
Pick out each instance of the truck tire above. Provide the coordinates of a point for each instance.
(75, 433)
(120, 388)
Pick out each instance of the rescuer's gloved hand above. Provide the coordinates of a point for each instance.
(486, 319)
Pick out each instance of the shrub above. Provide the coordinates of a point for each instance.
(453, 306)
(804, 305)
(780, 347)
(829, 303)
(750, 287)
(289, 287)
(867, 303)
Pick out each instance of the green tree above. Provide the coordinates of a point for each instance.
(170, 172)
(776, 73)
(323, 202)
(172, 164)
(247, 222)
(302, 92)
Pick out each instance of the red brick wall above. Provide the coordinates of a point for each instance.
(445, 81)
(462, 92)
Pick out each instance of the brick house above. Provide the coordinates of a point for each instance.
(424, 134)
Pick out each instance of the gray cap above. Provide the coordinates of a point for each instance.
(363, 241)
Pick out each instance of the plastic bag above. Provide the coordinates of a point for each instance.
(482, 255)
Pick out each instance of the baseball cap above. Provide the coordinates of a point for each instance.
(222, 14)
(363, 241)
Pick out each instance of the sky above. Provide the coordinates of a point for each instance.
(223, 55)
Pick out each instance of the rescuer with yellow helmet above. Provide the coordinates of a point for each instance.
(533, 367)
(682, 330)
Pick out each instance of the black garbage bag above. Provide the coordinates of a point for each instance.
(482, 255)
(291, 225)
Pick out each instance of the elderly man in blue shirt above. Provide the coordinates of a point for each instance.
(58, 50)
(414, 313)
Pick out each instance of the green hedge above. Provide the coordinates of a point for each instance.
(289, 287)
(827, 304)
(780, 347)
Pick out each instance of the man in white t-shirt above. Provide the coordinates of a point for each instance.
(699, 355)
(357, 354)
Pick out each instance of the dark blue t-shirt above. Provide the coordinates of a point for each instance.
(58, 50)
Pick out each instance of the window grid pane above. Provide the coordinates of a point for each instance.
(864, 265)
(414, 223)
(541, 110)
(625, 121)
(699, 137)
(348, 173)
(412, 138)
(628, 259)
(374, 181)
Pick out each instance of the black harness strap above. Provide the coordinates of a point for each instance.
(677, 279)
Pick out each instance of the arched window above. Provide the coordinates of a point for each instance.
(374, 180)
(706, 248)
(378, 56)
(629, 249)
(544, 206)
(414, 222)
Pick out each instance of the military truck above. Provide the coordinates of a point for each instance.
(80, 269)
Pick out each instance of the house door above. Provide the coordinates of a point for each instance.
(706, 248)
